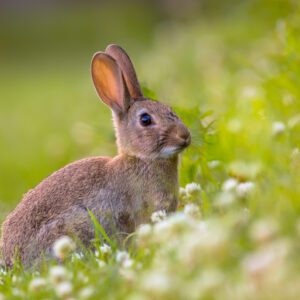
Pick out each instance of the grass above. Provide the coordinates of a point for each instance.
(233, 77)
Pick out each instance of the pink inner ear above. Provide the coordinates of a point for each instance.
(108, 80)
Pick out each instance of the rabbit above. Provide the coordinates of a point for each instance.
(121, 192)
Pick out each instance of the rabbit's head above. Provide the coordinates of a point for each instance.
(145, 128)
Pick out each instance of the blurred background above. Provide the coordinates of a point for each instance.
(206, 53)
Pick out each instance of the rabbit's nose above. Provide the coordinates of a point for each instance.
(184, 134)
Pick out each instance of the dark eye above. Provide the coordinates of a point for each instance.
(145, 119)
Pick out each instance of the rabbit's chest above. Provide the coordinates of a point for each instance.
(151, 198)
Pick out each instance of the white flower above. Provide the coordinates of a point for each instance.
(101, 263)
(192, 188)
(105, 249)
(18, 293)
(208, 238)
(172, 226)
(2, 271)
(82, 277)
(15, 279)
(258, 262)
(58, 274)
(64, 289)
(182, 192)
(225, 199)
(156, 283)
(128, 274)
(245, 188)
(229, 185)
(268, 263)
(37, 284)
(2, 296)
(213, 164)
(264, 230)
(210, 280)
(77, 256)
(191, 210)
(124, 259)
(144, 231)
(122, 256)
(86, 293)
(158, 216)
(63, 247)
(128, 263)
(201, 287)
(278, 128)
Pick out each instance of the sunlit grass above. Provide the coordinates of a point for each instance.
(235, 83)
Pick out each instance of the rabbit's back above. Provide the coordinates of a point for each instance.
(45, 208)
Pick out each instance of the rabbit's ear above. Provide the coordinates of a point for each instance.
(127, 68)
(109, 83)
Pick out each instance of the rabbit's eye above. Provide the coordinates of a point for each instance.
(145, 120)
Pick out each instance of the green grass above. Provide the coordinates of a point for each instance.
(233, 76)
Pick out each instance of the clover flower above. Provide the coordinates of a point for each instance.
(211, 239)
(82, 277)
(210, 280)
(264, 230)
(268, 264)
(278, 128)
(63, 246)
(101, 263)
(105, 249)
(128, 274)
(58, 274)
(18, 293)
(172, 226)
(192, 188)
(191, 210)
(229, 185)
(123, 258)
(213, 164)
(225, 199)
(128, 263)
(182, 192)
(158, 216)
(86, 293)
(244, 189)
(64, 289)
(156, 283)
(77, 256)
(144, 231)
(37, 284)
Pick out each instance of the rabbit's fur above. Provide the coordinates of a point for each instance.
(122, 192)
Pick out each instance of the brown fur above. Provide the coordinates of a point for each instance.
(122, 192)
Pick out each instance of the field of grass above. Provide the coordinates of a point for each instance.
(232, 74)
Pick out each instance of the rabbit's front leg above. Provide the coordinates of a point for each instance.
(167, 202)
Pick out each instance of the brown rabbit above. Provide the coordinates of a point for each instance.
(122, 192)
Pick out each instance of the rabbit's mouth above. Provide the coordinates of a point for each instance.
(170, 151)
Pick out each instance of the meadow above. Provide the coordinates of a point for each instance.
(231, 72)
